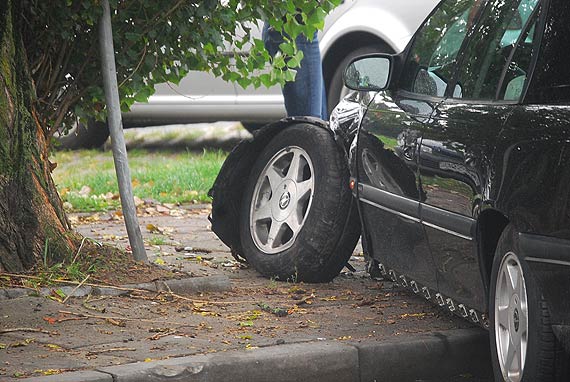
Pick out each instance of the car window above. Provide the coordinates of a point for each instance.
(515, 73)
(431, 62)
(490, 51)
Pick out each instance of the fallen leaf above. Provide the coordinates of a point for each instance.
(112, 321)
(50, 320)
(412, 315)
(59, 293)
(152, 228)
(25, 342)
(51, 371)
(296, 309)
(204, 312)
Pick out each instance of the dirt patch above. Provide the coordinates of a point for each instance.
(99, 263)
(115, 266)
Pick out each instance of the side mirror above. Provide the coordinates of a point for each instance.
(369, 73)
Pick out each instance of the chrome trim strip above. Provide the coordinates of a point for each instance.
(398, 203)
(200, 99)
(447, 231)
(398, 198)
(547, 261)
(390, 210)
(448, 221)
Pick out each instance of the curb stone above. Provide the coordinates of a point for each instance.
(437, 355)
(215, 283)
(429, 357)
(16, 292)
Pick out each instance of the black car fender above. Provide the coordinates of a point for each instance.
(227, 190)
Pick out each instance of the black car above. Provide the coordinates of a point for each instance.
(451, 160)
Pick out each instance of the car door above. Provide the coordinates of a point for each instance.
(387, 149)
(458, 143)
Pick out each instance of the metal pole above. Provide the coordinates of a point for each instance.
(117, 138)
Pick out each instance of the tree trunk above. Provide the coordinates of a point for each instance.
(33, 225)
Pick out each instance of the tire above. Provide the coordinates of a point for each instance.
(299, 235)
(81, 136)
(336, 89)
(522, 332)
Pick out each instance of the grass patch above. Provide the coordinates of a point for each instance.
(86, 179)
(157, 240)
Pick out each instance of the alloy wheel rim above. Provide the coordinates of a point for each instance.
(281, 200)
(511, 318)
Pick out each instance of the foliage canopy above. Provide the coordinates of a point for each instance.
(155, 41)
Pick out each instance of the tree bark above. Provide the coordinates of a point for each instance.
(33, 225)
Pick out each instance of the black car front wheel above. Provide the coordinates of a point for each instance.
(297, 219)
(523, 346)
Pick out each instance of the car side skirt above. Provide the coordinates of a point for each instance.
(410, 210)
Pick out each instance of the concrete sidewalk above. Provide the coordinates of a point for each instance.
(224, 322)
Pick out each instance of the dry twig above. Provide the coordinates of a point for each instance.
(33, 330)
(74, 289)
(95, 352)
(115, 318)
(159, 335)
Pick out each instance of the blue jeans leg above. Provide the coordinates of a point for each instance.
(306, 95)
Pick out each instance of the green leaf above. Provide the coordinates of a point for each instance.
(289, 75)
(142, 96)
(244, 82)
(60, 293)
(287, 48)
